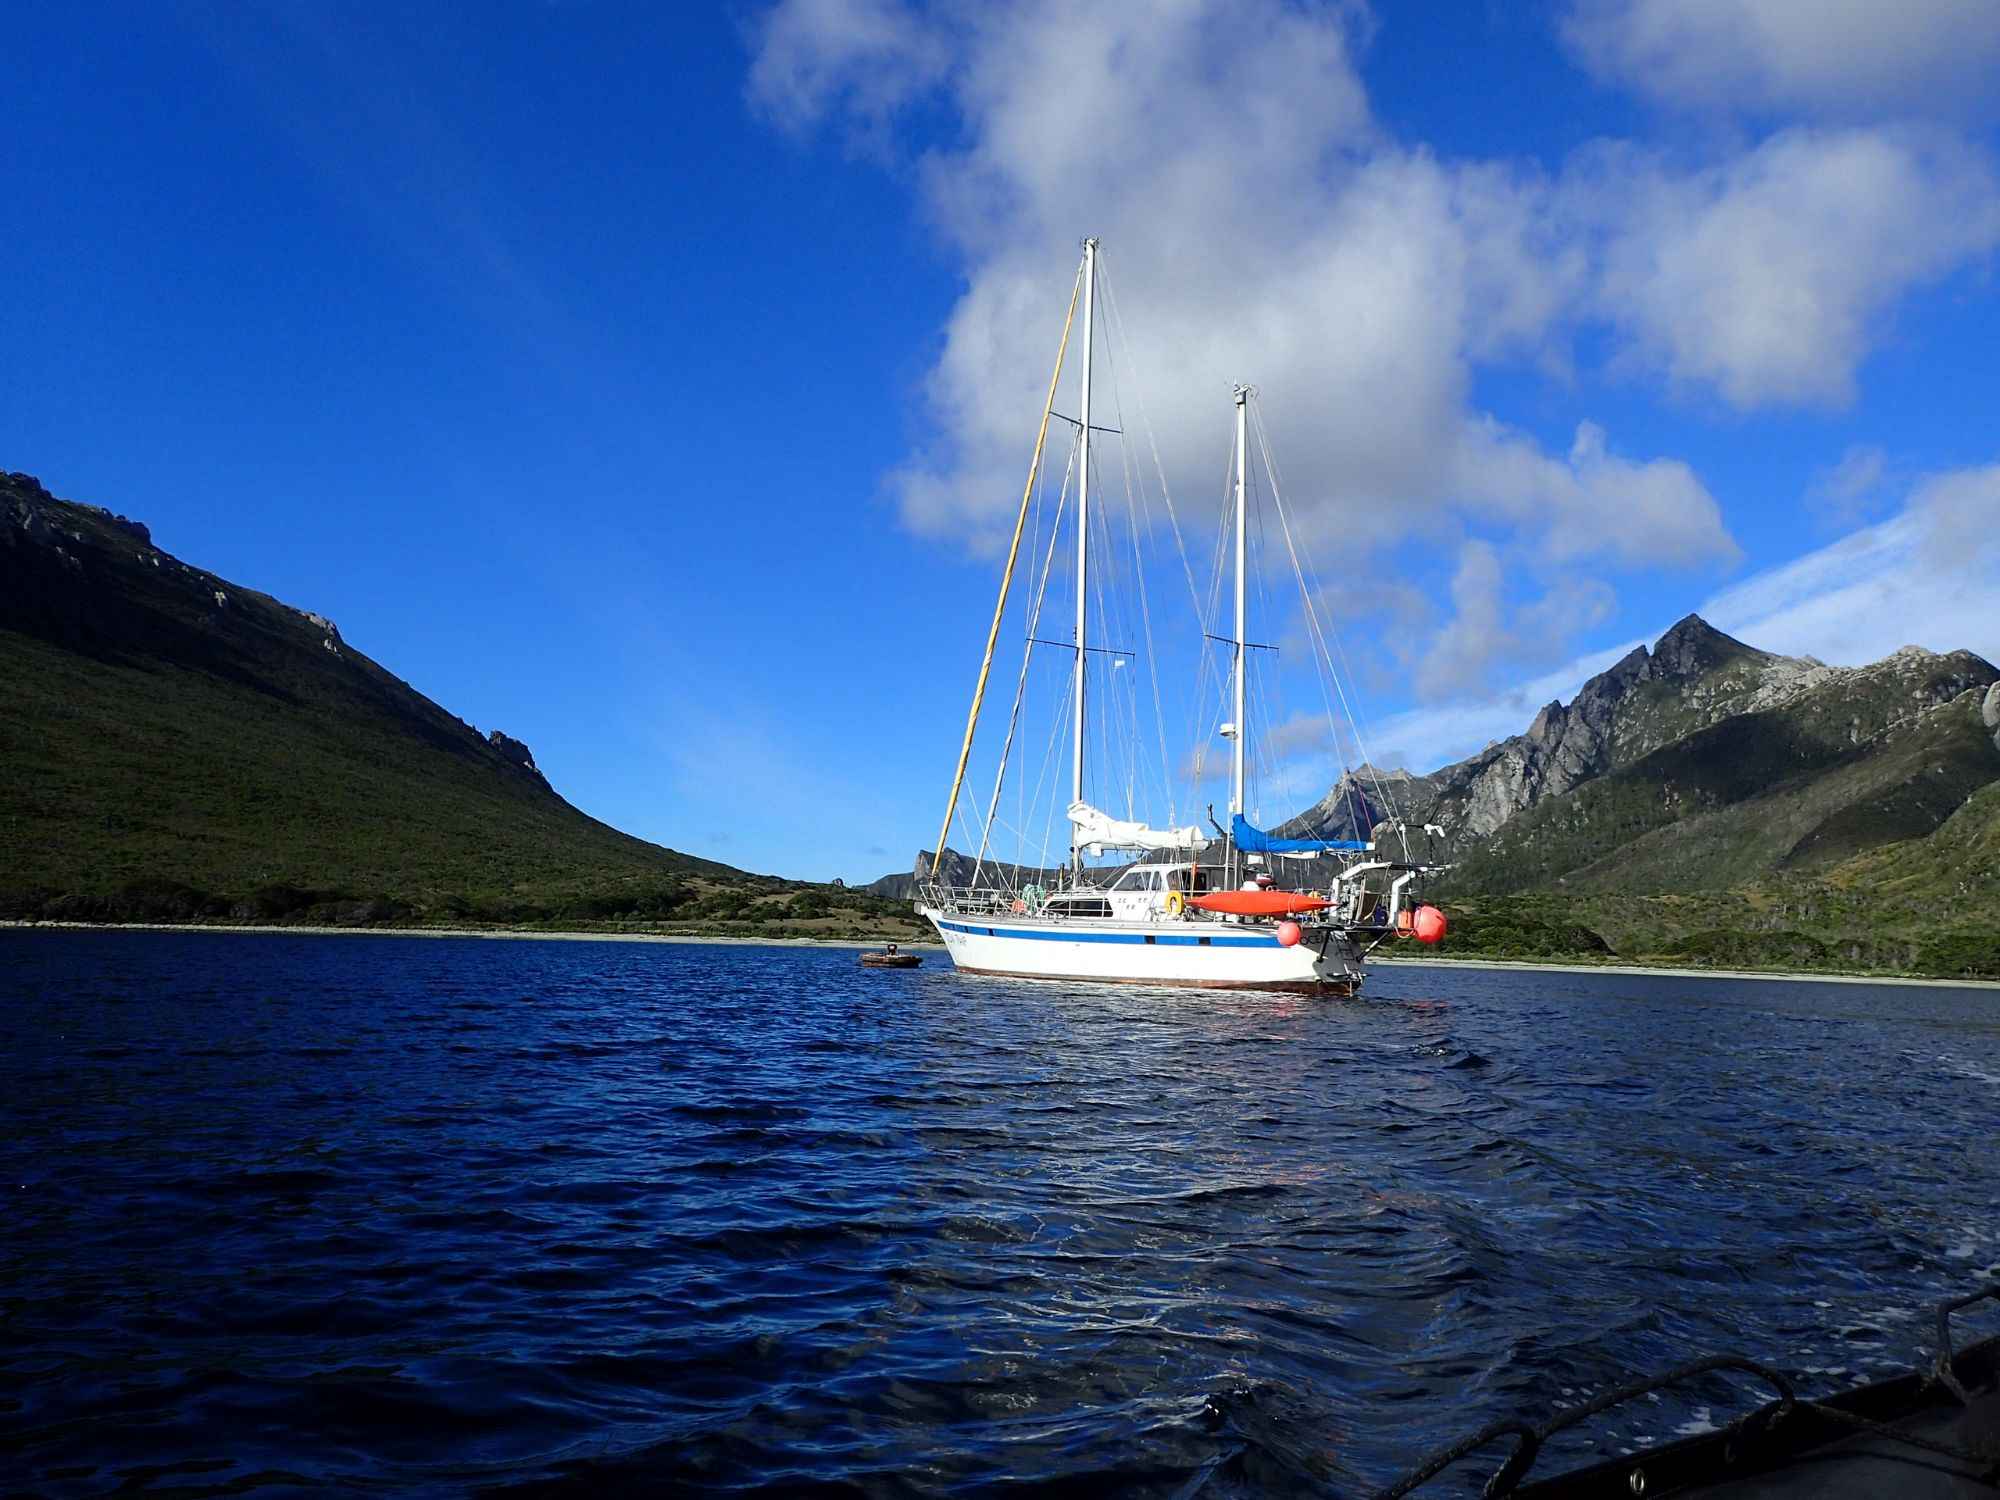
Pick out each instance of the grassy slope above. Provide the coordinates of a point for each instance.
(1840, 834)
(1797, 786)
(171, 756)
(1927, 906)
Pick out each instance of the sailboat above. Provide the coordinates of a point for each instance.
(1193, 909)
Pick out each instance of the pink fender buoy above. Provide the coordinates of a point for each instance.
(1289, 934)
(1430, 925)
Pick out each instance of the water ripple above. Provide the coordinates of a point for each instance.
(289, 1214)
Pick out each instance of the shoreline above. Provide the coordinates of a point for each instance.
(500, 933)
(931, 945)
(1676, 971)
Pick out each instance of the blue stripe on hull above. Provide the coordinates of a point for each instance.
(1163, 940)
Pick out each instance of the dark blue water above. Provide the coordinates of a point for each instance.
(438, 1216)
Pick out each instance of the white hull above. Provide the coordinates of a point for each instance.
(1167, 951)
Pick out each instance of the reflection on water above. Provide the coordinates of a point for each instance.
(444, 1215)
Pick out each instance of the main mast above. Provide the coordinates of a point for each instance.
(1082, 540)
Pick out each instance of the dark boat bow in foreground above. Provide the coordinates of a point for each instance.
(1929, 1435)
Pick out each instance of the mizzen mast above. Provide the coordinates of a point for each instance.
(1236, 802)
(1082, 543)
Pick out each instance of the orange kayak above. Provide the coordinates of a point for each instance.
(1259, 903)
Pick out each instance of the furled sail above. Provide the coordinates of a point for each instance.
(1098, 831)
(1253, 840)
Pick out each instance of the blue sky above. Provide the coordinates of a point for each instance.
(653, 382)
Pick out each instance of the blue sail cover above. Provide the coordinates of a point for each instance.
(1256, 841)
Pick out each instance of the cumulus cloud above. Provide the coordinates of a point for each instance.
(1425, 738)
(867, 57)
(1841, 58)
(1488, 634)
(1595, 502)
(1258, 226)
(1769, 276)
(1926, 576)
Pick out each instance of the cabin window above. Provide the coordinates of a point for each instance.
(1078, 906)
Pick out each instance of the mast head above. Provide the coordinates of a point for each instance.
(1244, 393)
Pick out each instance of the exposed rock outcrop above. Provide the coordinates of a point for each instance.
(513, 750)
(137, 530)
(1693, 677)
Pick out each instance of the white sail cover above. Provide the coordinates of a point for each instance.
(1099, 831)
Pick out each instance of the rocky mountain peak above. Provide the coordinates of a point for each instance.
(1694, 647)
(1548, 723)
(1693, 676)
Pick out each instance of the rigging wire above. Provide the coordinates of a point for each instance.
(1119, 749)
(1312, 617)
(1117, 324)
(1027, 651)
(1056, 728)
(1134, 496)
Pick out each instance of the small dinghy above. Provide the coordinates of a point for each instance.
(889, 958)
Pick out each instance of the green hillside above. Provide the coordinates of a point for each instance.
(1785, 789)
(178, 747)
(1789, 840)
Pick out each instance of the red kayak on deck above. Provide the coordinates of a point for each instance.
(1259, 903)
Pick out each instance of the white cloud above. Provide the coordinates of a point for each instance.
(1843, 58)
(1845, 492)
(1257, 226)
(1487, 633)
(867, 57)
(1656, 512)
(1260, 224)
(1928, 576)
(1423, 739)
(1770, 276)
(1477, 633)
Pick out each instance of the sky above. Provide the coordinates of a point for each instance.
(657, 383)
